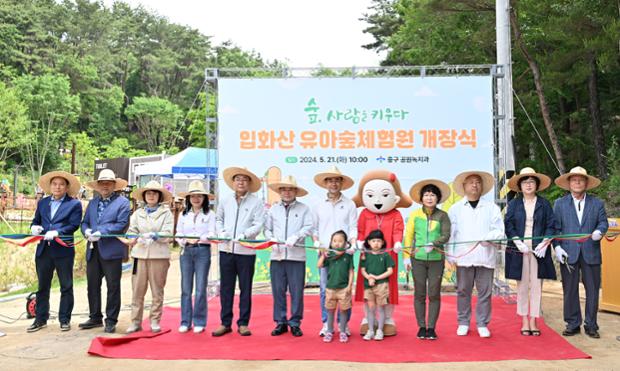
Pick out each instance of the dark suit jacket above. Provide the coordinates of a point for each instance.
(594, 218)
(114, 220)
(544, 225)
(66, 221)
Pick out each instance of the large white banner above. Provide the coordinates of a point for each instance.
(417, 127)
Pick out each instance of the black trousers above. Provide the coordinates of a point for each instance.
(231, 267)
(96, 269)
(591, 277)
(46, 264)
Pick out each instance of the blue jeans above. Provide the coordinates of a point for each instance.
(288, 275)
(323, 285)
(195, 262)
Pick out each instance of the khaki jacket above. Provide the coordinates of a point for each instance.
(160, 221)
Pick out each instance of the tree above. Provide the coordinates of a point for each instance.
(13, 123)
(120, 147)
(52, 110)
(157, 121)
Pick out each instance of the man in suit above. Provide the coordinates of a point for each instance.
(578, 213)
(58, 216)
(107, 213)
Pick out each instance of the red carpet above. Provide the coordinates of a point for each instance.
(505, 344)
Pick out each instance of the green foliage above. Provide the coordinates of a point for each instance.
(157, 121)
(13, 123)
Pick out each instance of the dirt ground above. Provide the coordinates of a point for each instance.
(49, 349)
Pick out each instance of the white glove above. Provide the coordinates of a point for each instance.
(407, 264)
(182, 241)
(50, 235)
(560, 254)
(223, 235)
(290, 242)
(360, 245)
(94, 237)
(541, 248)
(36, 230)
(397, 247)
(428, 248)
(88, 232)
(317, 244)
(597, 235)
(351, 249)
(451, 259)
(150, 236)
(521, 246)
(487, 244)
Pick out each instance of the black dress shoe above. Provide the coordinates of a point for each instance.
(279, 330)
(36, 326)
(90, 323)
(569, 332)
(109, 328)
(65, 326)
(296, 331)
(593, 334)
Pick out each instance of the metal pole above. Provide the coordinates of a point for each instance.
(15, 186)
(504, 58)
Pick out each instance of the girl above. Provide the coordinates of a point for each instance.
(339, 283)
(196, 220)
(376, 265)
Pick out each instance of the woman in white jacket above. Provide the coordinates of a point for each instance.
(150, 251)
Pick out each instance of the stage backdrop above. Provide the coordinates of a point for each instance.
(417, 127)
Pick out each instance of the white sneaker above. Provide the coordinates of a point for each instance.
(462, 330)
(134, 327)
(183, 329)
(484, 332)
(379, 335)
(198, 329)
(347, 330)
(323, 331)
(155, 326)
(369, 335)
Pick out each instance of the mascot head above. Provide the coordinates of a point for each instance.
(379, 191)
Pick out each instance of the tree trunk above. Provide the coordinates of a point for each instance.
(544, 107)
(595, 113)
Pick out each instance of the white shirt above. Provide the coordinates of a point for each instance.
(330, 217)
(468, 224)
(579, 206)
(235, 219)
(199, 225)
(284, 223)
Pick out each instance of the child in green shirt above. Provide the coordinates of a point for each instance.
(376, 265)
(339, 283)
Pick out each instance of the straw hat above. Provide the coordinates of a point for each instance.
(108, 174)
(333, 172)
(196, 187)
(288, 181)
(153, 185)
(414, 192)
(562, 181)
(229, 174)
(46, 179)
(386, 175)
(487, 181)
(527, 172)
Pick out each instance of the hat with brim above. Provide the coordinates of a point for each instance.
(107, 175)
(288, 182)
(153, 185)
(333, 172)
(196, 187)
(526, 172)
(389, 177)
(231, 172)
(46, 179)
(562, 181)
(414, 192)
(488, 182)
